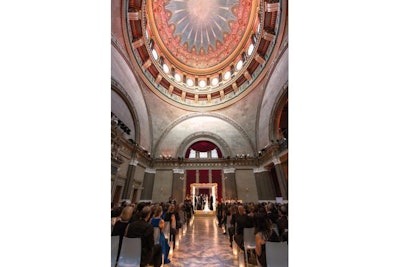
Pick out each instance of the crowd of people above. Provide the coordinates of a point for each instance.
(139, 220)
(270, 222)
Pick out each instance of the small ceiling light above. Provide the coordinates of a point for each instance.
(202, 83)
(154, 53)
(227, 75)
(165, 68)
(250, 49)
(189, 82)
(178, 77)
(239, 65)
(214, 81)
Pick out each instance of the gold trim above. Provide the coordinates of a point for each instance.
(216, 68)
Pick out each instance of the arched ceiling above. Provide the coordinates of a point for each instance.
(202, 54)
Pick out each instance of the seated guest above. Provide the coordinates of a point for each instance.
(282, 221)
(121, 224)
(231, 222)
(157, 222)
(172, 216)
(242, 221)
(272, 213)
(263, 231)
(136, 215)
(151, 253)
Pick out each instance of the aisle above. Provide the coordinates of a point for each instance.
(203, 245)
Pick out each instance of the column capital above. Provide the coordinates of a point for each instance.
(229, 170)
(133, 162)
(276, 161)
(148, 170)
(258, 170)
(181, 171)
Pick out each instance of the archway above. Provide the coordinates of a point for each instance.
(212, 195)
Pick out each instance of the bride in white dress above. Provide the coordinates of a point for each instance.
(206, 208)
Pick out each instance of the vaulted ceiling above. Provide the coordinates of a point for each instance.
(185, 71)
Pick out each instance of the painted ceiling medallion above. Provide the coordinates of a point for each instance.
(200, 23)
(200, 34)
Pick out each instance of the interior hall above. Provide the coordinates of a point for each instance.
(199, 121)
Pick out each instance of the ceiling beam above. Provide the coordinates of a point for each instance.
(138, 43)
(147, 64)
(268, 36)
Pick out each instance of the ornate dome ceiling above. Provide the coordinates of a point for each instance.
(202, 54)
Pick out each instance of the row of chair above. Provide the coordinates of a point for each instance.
(131, 247)
(130, 252)
(276, 252)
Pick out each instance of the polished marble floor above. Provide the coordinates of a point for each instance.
(203, 244)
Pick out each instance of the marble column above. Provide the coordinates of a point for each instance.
(261, 184)
(280, 173)
(148, 184)
(270, 188)
(230, 184)
(128, 188)
(178, 178)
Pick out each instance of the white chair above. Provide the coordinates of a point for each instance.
(130, 252)
(277, 254)
(114, 249)
(249, 241)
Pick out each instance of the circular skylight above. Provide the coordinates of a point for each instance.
(202, 83)
(239, 65)
(250, 49)
(227, 75)
(154, 53)
(214, 81)
(165, 68)
(178, 77)
(189, 82)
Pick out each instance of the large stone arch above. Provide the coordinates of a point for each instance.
(120, 91)
(228, 120)
(274, 133)
(204, 136)
(275, 89)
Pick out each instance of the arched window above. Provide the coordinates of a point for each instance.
(203, 149)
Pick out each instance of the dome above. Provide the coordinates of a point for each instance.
(202, 54)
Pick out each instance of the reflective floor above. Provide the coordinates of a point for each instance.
(203, 244)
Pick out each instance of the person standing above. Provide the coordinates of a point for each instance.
(151, 253)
